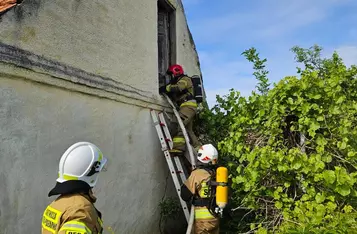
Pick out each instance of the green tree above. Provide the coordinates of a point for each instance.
(291, 150)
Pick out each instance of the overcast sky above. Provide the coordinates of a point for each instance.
(223, 29)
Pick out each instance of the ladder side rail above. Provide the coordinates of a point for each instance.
(168, 135)
(166, 129)
(193, 162)
(177, 184)
(180, 169)
(170, 164)
(191, 220)
(158, 130)
(183, 129)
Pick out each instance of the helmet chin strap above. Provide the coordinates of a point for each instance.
(201, 164)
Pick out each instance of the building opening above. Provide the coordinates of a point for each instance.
(166, 39)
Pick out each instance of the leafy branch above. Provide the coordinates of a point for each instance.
(259, 66)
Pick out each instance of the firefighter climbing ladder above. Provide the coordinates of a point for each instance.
(175, 165)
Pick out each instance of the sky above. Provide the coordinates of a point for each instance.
(223, 29)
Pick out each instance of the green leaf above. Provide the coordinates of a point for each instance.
(321, 210)
(320, 198)
(317, 96)
(262, 112)
(283, 168)
(320, 118)
(297, 165)
(262, 230)
(254, 175)
(344, 190)
(329, 176)
(340, 99)
(320, 165)
(240, 179)
(314, 125)
(239, 169)
(305, 197)
(278, 204)
(321, 141)
(347, 209)
(331, 206)
(327, 158)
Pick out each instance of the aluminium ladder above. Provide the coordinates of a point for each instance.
(174, 165)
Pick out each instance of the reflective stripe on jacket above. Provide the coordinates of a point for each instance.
(203, 213)
(190, 103)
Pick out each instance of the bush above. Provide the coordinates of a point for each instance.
(291, 150)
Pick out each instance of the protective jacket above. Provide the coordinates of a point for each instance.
(181, 90)
(72, 212)
(197, 190)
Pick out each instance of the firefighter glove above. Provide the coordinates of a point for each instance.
(168, 88)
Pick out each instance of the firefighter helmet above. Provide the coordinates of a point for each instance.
(81, 161)
(175, 70)
(207, 154)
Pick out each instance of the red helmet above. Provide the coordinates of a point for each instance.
(175, 70)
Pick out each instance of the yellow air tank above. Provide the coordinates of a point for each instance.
(222, 188)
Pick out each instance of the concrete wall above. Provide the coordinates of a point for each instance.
(73, 70)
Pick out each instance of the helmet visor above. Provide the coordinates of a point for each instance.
(103, 164)
(98, 166)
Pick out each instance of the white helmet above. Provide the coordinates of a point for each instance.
(207, 154)
(82, 161)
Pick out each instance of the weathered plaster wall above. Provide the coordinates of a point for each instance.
(115, 39)
(39, 122)
(73, 70)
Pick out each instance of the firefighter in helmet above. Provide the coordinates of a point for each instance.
(74, 211)
(181, 91)
(197, 190)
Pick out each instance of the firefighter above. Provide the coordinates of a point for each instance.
(74, 211)
(197, 190)
(181, 91)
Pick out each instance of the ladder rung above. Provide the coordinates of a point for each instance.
(177, 172)
(173, 163)
(175, 155)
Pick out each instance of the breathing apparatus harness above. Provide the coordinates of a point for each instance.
(209, 191)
